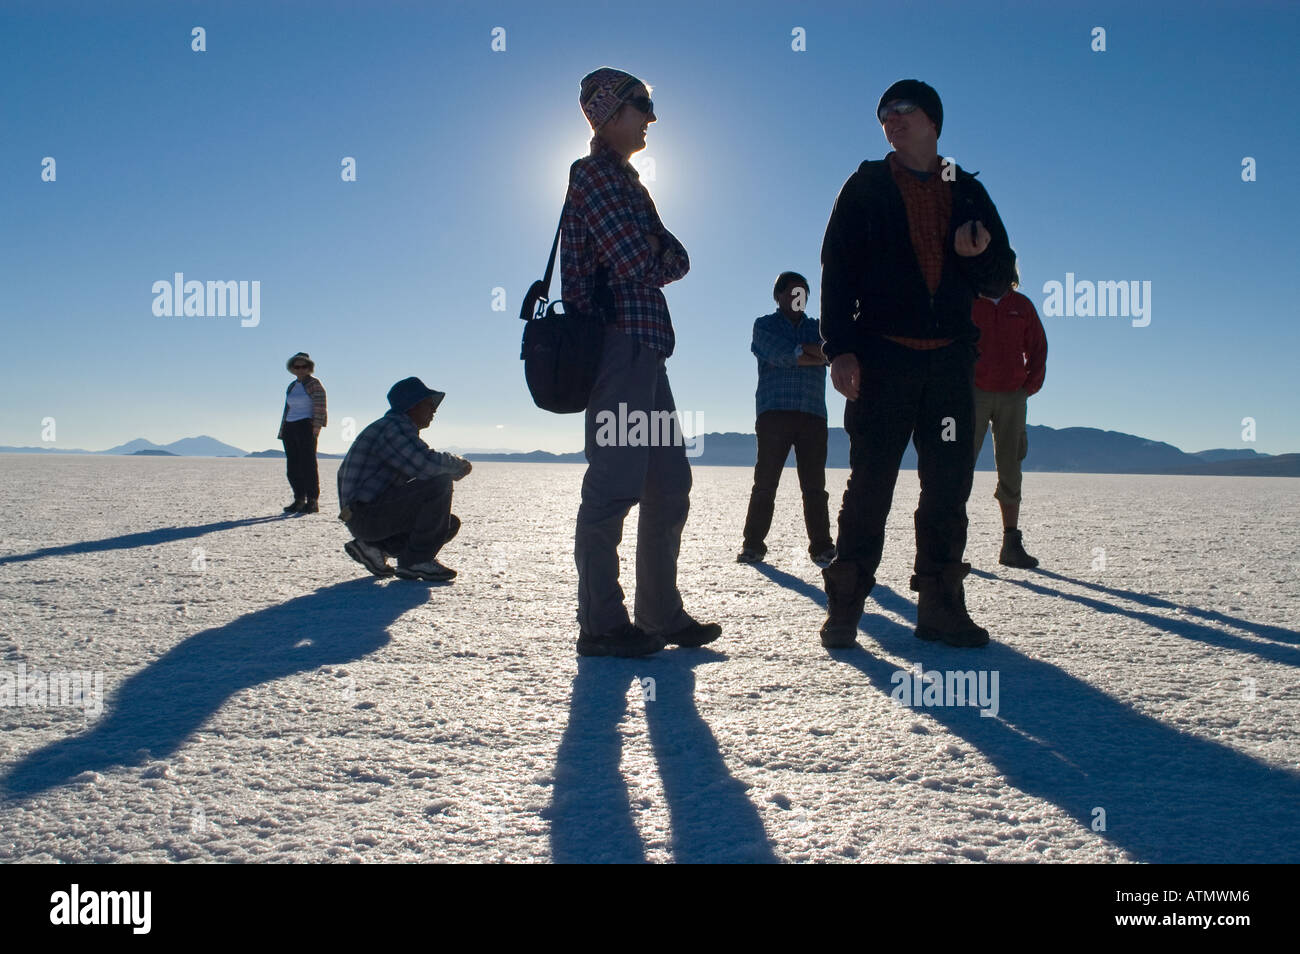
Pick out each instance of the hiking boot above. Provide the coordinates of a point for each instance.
(941, 609)
(1013, 551)
(625, 640)
(453, 528)
(312, 505)
(846, 593)
(750, 554)
(825, 558)
(430, 570)
(296, 505)
(693, 636)
(369, 556)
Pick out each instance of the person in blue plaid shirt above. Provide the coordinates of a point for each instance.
(611, 236)
(791, 408)
(395, 490)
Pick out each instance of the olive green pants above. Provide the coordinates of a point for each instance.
(1007, 411)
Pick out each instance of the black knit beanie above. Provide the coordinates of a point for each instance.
(923, 94)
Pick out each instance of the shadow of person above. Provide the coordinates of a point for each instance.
(1265, 630)
(712, 819)
(1166, 796)
(156, 709)
(1186, 628)
(145, 538)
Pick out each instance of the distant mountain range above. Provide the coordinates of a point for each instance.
(280, 454)
(1084, 450)
(201, 446)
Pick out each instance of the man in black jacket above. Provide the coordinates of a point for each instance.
(909, 243)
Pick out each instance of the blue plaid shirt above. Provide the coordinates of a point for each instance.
(784, 385)
(387, 453)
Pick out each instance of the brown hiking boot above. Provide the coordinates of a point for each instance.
(846, 593)
(941, 609)
(1013, 551)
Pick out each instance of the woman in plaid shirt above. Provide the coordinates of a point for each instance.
(610, 224)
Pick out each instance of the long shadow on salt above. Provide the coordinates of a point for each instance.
(1264, 630)
(1187, 628)
(158, 708)
(1168, 796)
(591, 818)
(145, 538)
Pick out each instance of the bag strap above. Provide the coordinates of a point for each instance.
(555, 246)
(540, 293)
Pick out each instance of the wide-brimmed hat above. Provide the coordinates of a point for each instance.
(300, 356)
(408, 392)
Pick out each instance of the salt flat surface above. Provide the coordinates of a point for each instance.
(265, 700)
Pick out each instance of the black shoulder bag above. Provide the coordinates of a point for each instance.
(561, 350)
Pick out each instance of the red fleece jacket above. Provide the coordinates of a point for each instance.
(1013, 345)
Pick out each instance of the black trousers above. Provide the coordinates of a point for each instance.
(300, 459)
(778, 431)
(926, 396)
(410, 521)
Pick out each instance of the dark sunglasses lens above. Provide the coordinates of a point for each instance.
(902, 107)
(643, 104)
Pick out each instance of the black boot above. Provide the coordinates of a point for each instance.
(296, 506)
(941, 608)
(846, 593)
(1013, 551)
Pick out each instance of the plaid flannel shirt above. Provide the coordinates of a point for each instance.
(607, 216)
(784, 384)
(929, 209)
(387, 453)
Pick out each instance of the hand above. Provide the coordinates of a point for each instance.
(846, 375)
(814, 349)
(315, 430)
(656, 246)
(968, 247)
(465, 472)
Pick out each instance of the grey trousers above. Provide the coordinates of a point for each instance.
(1007, 410)
(410, 521)
(620, 473)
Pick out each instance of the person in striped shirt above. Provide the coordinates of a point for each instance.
(616, 251)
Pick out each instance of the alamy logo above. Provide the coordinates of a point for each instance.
(181, 299)
(1087, 299)
(45, 689)
(652, 429)
(103, 907)
(920, 689)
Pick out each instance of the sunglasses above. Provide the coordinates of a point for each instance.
(900, 106)
(643, 104)
(301, 367)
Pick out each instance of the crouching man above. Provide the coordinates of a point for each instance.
(395, 491)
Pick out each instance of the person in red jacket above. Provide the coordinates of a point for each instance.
(1011, 367)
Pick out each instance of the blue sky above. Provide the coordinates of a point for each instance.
(225, 165)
